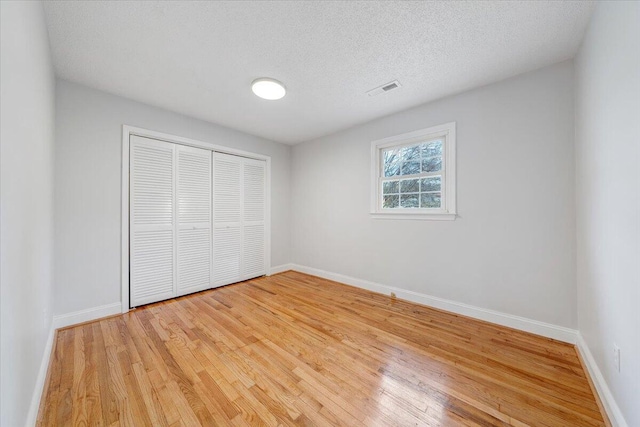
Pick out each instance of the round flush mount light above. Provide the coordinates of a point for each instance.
(270, 89)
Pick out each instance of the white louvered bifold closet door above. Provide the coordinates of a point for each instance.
(253, 218)
(239, 214)
(227, 219)
(197, 219)
(194, 219)
(151, 220)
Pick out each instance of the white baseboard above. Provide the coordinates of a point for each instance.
(40, 380)
(280, 269)
(64, 320)
(548, 330)
(609, 403)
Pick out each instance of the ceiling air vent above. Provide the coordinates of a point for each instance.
(384, 88)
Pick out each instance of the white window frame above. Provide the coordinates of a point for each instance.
(447, 211)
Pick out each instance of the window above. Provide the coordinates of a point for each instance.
(413, 175)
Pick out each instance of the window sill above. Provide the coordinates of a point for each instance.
(418, 216)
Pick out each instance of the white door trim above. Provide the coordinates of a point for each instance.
(127, 131)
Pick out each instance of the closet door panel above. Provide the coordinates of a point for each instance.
(227, 219)
(253, 218)
(194, 219)
(151, 220)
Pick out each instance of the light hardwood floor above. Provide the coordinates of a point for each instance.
(293, 349)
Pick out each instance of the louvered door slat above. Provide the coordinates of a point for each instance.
(194, 219)
(254, 191)
(227, 174)
(253, 218)
(227, 255)
(227, 218)
(253, 251)
(151, 220)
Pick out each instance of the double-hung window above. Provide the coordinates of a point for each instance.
(413, 175)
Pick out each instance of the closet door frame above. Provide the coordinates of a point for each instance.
(127, 132)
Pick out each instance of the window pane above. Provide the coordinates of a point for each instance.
(411, 153)
(433, 164)
(389, 187)
(432, 183)
(390, 201)
(430, 200)
(391, 166)
(409, 201)
(410, 168)
(410, 186)
(432, 149)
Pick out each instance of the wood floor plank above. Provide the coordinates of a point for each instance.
(63, 414)
(52, 383)
(94, 399)
(297, 350)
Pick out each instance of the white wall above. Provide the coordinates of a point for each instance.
(88, 184)
(26, 198)
(512, 249)
(608, 197)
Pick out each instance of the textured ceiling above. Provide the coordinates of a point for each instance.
(199, 58)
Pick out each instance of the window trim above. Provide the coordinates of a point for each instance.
(448, 210)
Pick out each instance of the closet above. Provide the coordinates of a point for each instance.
(196, 219)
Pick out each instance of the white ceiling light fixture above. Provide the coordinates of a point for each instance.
(270, 89)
